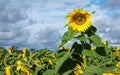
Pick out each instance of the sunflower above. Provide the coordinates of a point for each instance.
(7, 70)
(78, 70)
(24, 52)
(79, 20)
(118, 64)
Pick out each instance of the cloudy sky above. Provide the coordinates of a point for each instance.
(40, 23)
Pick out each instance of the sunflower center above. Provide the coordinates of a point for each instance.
(79, 19)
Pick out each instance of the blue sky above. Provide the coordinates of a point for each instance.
(40, 23)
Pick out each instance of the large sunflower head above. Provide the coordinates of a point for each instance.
(79, 20)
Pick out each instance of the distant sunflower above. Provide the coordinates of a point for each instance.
(79, 20)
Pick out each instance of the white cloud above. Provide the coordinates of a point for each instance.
(45, 37)
(107, 21)
(112, 4)
(35, 23)
(12, 32)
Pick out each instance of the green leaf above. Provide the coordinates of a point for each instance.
(2, 52)
(38, 68)
(67, 72)
(42, 52)
(93, 12)
(77, 47)
(87, 46)
(107, 49)
(2, 72)
(93, 70)
(49, 72)
(91, 31)
(67, 36)
(82, 38)
(101, 51)
(89, 52)
(67, 67)
(17, 73)
(96, 40)
(62, 57)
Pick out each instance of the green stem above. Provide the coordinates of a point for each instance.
(84, 57)
(84, 61)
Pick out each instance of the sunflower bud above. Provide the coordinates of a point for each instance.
(10, 50)
(92, 49)
(24, 52)
(105, 42)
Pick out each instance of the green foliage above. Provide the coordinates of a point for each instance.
(101, 59)
(49, 72)
(93, 70)
(82, 38)
(62, 56)
(38, 68)
(67, 36)
(96, 40)
(89, 53)
(91, 31)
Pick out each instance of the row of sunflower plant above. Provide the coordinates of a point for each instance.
(88, 55)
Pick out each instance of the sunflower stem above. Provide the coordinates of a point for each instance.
(84, 57)
(84, 61)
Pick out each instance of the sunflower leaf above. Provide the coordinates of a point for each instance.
(82, 38)
(62, 57)
(91, 31)
(38, 68)
(67, 36)
(96, 40)
(89, 52)
(49, 72)
(93, 12)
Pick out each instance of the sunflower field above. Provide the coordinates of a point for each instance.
(89, 55)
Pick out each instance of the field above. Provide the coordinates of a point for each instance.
(89, 55)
